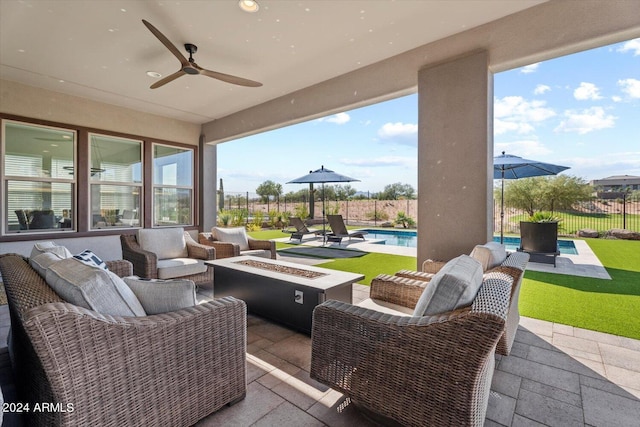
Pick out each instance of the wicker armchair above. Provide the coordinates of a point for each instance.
(229, 249)
(513, 266)
(412, 371)
(168, 369)
(145, 262)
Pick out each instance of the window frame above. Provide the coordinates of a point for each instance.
(192, 187)
(82, 182)
(6, 178)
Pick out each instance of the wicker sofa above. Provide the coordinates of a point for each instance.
(413, 370)
(168, 369)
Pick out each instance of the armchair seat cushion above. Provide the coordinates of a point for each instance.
(165, 242)
(178, 267)
(454, 286)
(93, 288)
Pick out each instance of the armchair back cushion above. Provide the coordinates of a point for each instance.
(164, 242)
(41, 262)
(42, 247)
(236, 235)
(93, 288)
(490, 255)
(454, 286)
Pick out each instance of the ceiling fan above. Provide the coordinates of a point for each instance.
(188, 66)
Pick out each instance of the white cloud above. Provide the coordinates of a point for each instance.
(587, 91)
(630, 87)
(516, 114)
(632, 45)
(540, 89)
(339, 119)
(586, 121)
(391, 130)
(529, 148)
(532, 68)
(384, 161)
(616, 99)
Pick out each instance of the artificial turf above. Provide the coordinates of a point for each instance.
(611, 306)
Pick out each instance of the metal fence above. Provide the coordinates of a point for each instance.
(598, 214)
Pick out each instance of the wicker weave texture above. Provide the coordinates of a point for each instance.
(397, 290)
(145, 263)
(416, 371)
(169, 369)
(228, 250)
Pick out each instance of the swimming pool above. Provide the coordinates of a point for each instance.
(409, 239)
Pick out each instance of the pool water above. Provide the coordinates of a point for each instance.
(409, 239)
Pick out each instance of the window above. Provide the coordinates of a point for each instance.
(116, 182)
(172, 185)
(38, 178)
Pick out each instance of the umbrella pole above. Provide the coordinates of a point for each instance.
(502, 209)
(324, 232)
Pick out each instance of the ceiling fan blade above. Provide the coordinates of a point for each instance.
(168, 79)
(165, 41)
(228, 78)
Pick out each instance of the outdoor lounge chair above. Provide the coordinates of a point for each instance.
(300, 229)
(339, 230)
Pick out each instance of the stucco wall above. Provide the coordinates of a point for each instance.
(33, 102)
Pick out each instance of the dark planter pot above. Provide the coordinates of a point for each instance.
(541, 237)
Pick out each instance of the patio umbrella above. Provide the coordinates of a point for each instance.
(321, 176)
(507, 166)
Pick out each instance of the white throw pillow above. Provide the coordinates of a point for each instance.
(42, 247)
(454, 286)
(490, 255)
(236, 235)
(162, 296)
(164, 242)
(93, 288)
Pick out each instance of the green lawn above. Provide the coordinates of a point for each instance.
(611, 306)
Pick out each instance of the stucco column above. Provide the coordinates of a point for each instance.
(208, 185)
(455, 155)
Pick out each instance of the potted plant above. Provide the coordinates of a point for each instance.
(540, 233)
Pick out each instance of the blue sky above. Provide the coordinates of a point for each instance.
(581, 111)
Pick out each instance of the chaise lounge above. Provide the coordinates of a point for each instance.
(301, 229)
(339, 230)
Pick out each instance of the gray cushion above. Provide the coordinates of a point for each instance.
(490, 255)
(178, 267)
(162, 296)
(164, 242)
(42, 247)
(236, 235)
(41, 262)
(93, 288)
(454, 286)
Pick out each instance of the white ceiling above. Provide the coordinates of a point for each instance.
(100, 50)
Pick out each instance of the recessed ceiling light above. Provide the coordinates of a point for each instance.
(154, 74)
(249, 5)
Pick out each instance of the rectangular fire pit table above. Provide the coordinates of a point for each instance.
(281, 291)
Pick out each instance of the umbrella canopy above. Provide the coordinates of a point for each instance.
(320, 176)
(508, 166)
